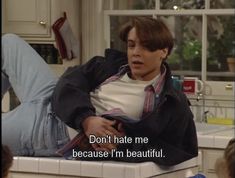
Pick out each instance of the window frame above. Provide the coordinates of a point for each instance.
(156, 12)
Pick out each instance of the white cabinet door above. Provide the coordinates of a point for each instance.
(29, 18)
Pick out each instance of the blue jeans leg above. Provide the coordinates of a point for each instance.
(25, 129)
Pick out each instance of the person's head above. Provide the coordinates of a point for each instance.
(225, 166)
(7, 160)
(149, 42)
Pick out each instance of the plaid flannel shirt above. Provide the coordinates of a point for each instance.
(80, 142)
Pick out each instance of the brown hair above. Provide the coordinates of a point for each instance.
(7, 160)
(225, 166)
(152, 33)
(229, 156)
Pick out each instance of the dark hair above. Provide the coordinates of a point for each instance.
(152, 33)
(224, 166)
(7, 160)
(229, 156)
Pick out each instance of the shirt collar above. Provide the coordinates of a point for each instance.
(157, 83)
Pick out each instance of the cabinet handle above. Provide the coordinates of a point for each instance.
(228, 87)
(42, 23)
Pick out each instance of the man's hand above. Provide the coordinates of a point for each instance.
(101, 127)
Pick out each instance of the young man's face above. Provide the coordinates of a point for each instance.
(144, 64)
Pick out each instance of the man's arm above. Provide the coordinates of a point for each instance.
(71, 97)
(173, 133)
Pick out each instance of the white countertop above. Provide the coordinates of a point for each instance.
(215, 139)
(111, 169)
(102, 169)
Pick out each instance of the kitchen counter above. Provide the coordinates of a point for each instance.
(209, 136)
(212, 141)
(214, 136)
(58, 167)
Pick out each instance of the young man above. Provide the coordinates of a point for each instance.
(135, 89)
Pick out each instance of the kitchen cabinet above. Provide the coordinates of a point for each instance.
(32, 19)
(28, 18)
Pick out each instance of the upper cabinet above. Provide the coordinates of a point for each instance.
(32, 19)
(28, 18)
